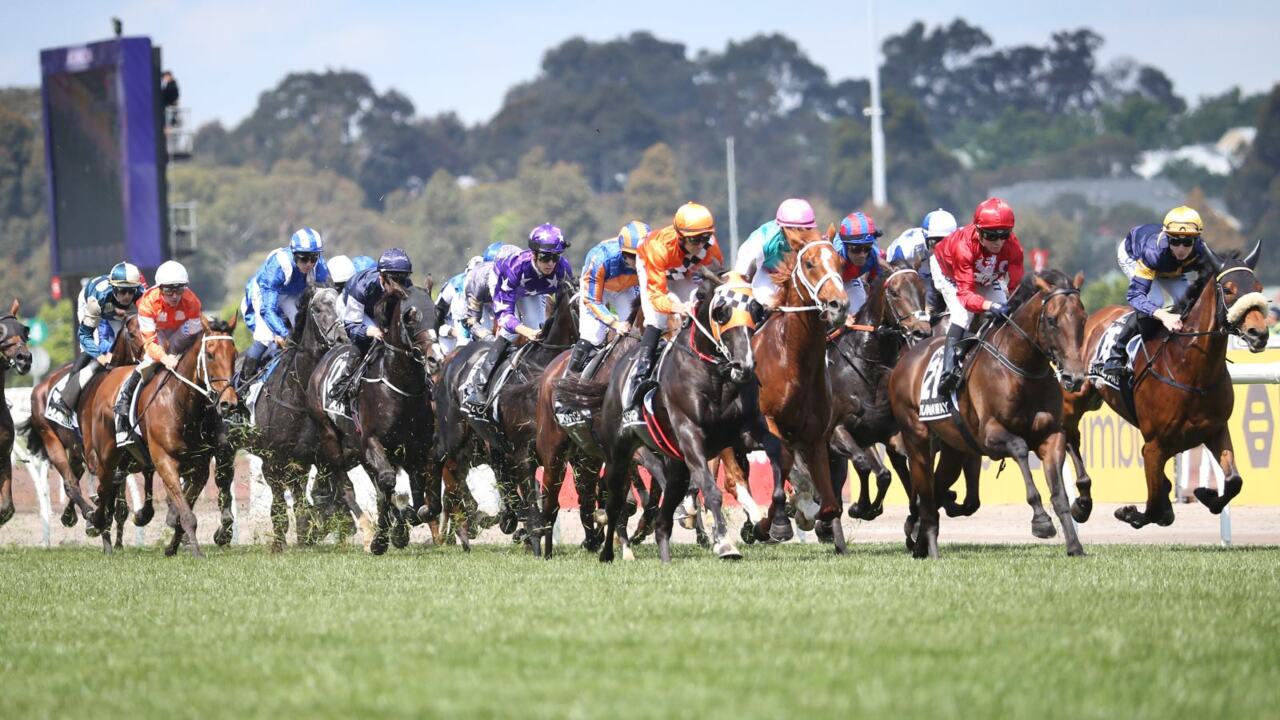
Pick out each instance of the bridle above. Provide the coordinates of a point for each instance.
(206, 389)
(738, 295)
(920, 314)
(7, 333)
(1055, 361)
(813, 288)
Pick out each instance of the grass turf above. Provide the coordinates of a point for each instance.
(1139, 632)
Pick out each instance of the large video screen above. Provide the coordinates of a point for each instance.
(87, 155)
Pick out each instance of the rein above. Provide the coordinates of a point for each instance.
(812, 287)
(202, 369)
(1054, 361)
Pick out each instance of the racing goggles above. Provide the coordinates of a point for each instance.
(700, 238)
(994, 235)
(1183, 240)
(546, 257)
(305, 257)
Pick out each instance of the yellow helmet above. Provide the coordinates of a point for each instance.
(694, 219)
(1182, 220)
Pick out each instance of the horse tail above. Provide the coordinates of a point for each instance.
(578, 394)
(33, 438)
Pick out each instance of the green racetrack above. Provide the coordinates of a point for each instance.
(1016, 631)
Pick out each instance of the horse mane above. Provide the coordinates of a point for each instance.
(219, 325)
(303, 317)
(1204, 275)
(561, 305)
(786, 264)
(380, 311)
(1027, 287)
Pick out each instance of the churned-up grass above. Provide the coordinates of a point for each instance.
(792, 631)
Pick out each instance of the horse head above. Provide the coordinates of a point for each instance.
(809, 276)
(723, 318)
(1055, 324)
(1242, 307)
(127, 347)
(901, 297)
(322, 319)
(215, 363)
(14, 352)
(419, 315)
(561, 327)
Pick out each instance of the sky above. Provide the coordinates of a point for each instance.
(463, 56)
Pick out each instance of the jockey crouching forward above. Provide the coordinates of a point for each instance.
(270, 303)
(967, 267)
(856, 243)
(343, 268)
(478, 289)
(915, 246)
(168, 314)
(765, 248)
(663, 263)
(519, 300)
(451, 309)
(101, 309)
(360, 296)
(607, 293)
(1156, 259)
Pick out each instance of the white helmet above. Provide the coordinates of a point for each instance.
(171, 272)
(340, 268)
(473, 262)
(939, 223)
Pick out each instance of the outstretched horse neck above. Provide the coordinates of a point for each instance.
(126, 349)
(879, 344)
(1024, 349)
(560, 331)
(400, 361)
(1204, 339)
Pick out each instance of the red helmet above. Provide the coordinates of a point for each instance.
(993, 214)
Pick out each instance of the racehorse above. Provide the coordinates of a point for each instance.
(13, 354)
(1010, 403)
(283, 433)
(706, 400)
(1180, 396)
(510, 438)
(176, 429)
(63, 447)
(392, 424)
(791, 364)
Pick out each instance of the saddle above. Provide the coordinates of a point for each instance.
(510, 366)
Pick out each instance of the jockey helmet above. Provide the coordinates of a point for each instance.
(171, 272)
(1182, 220)
(993, 214)
(547, 238)
(473, 262)
(694, 219)
(631, 235)
(396, 261)
(938, 224)
(341, 268)
(795, 212)
(858, 229)
(126, 275)
(306, 240)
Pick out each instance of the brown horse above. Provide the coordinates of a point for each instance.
(1011, 403)
(791, 364)
(13, 354)
(173, 422)
(63, 447)
(1181, 390)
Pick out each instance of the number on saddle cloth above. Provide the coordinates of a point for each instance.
(1103, 350)
(933, 405)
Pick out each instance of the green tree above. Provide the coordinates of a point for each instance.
(653, 188)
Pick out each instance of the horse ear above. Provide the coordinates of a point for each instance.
(1041, 284)
(231, 324)
(710, 276)
(831, 231)
(13, 309)
(429, 284)
(1215, 262)
(1078, 280)
(1251, 259)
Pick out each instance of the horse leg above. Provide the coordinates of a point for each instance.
(586, 477)
(1232, 483)
(839, 469)
(70, 472)
(736, 483)
(191, 493)
(6, 491)
(924, 543)
(384, 477)
(143, 516)
(279, 508)
(107, 490)
(1159, 509)
(167, 466)
(950, 463)
(615, 477)
(677, 477)
(651, 498)
(453, 489)
(1052, 453)
(224, 475)
(700, 474)
(774, 526)
(1082, 507)
(121, 515)
(884, 479)
(1008, 445)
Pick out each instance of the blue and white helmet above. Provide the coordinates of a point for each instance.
(306, 240)
(938, 224)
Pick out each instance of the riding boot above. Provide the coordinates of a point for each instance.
(479, 396)
(249, 366)
(951, 370)
(582, 352)
(1116, 366)
(124, 428)
(66, 403)
(644, 364)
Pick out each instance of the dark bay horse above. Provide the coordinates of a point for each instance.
(510, 440)
(63, 447)
(706, 400)
(393, 425)
(178, 432)
(283, 433)
(1181, 391)
(14, 355)
(1010, 404)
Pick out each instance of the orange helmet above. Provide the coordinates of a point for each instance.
(694, 219)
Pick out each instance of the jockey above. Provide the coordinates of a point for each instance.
(478, 291)
(101, 310)
(168, 314)
(916, 245)
(967, 267)
(766, 246)
(663, 264)
(451, 309)
(341, 268)
(1156, 259)
(608, 278)
(365, 289)
(519, 299)
(271, 296)
(856, 243)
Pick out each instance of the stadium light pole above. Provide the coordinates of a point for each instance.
(731, 171)
(875, 112)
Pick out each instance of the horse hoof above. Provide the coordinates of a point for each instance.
(6, 514)
(143, 516)
(171, 549)
(92, 530)
(748, 533)
(400, 536)
(823, 531)
(425, 515)
(1043, 529)
(69, 517)
(1129, 514)
(780, 532)
(688, 522)
(593, 541)
(379, 545)
(222, 537)
(874, 512)
(1081, 509)
(600, 516)
(507, 522)
(726, 551)
(804, 522)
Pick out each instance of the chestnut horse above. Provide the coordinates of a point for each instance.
(1181, 390)
(15, 355)
(1011, 403)
(174, 423)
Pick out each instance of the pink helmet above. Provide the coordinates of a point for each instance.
(794, 212)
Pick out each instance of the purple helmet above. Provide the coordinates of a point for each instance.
(547, 238)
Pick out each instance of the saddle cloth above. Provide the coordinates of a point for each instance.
(933, 405)
(1105, 343)
(51, 412)
(251, 397)
(336, 403)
